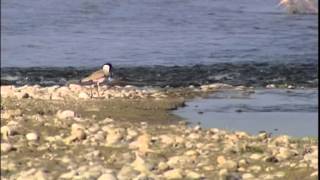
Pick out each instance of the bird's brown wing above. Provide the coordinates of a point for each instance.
(94, 76)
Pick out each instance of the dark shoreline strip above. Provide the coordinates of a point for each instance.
(249, 74)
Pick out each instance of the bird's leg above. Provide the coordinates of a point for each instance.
(98, 87)
(91, 95)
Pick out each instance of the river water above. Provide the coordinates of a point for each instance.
(292, 112)
(153, 32)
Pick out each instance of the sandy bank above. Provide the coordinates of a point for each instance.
(127, 133)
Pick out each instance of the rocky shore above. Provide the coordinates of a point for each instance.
(59, 132)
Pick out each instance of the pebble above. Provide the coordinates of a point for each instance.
(142, 143)
(279, 174)
(271, 86)
(7, 131)
(107, 121)
(68, 175)
(281, 140)
(107, 177)
(315, 173)
(223, 172)
(256, 156)
(167, 140)
(194, 136)
(75, 87)
(83, 95)
(126, 173)
(65, 114)
(229, 164)
(284, 153)
(162, 166)
(6, 147)
(255, 168)
(33, 174)
(221, 160)
(208, 168)
(247, 176)
(173, 174)
(141, 165)
(32, 136)
(114, 136)
(191, 153)
(192, 175)
(243, 162)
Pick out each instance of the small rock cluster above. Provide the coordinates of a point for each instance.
(76, 91)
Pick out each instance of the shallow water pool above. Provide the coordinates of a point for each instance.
(293, 112)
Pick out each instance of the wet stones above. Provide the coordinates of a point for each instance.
(215, 86)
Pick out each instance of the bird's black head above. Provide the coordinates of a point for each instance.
(108, 64)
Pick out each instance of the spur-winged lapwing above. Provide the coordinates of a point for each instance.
(99, 76)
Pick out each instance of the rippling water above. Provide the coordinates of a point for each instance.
(153, 32)
(249, 74)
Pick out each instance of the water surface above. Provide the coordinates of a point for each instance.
(153, 32)
(293, 112)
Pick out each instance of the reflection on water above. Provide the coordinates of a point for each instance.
(291, 112)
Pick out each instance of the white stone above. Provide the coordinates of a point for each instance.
(32, 136)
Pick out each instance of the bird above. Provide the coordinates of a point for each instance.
(106, 72)
(300, 6)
